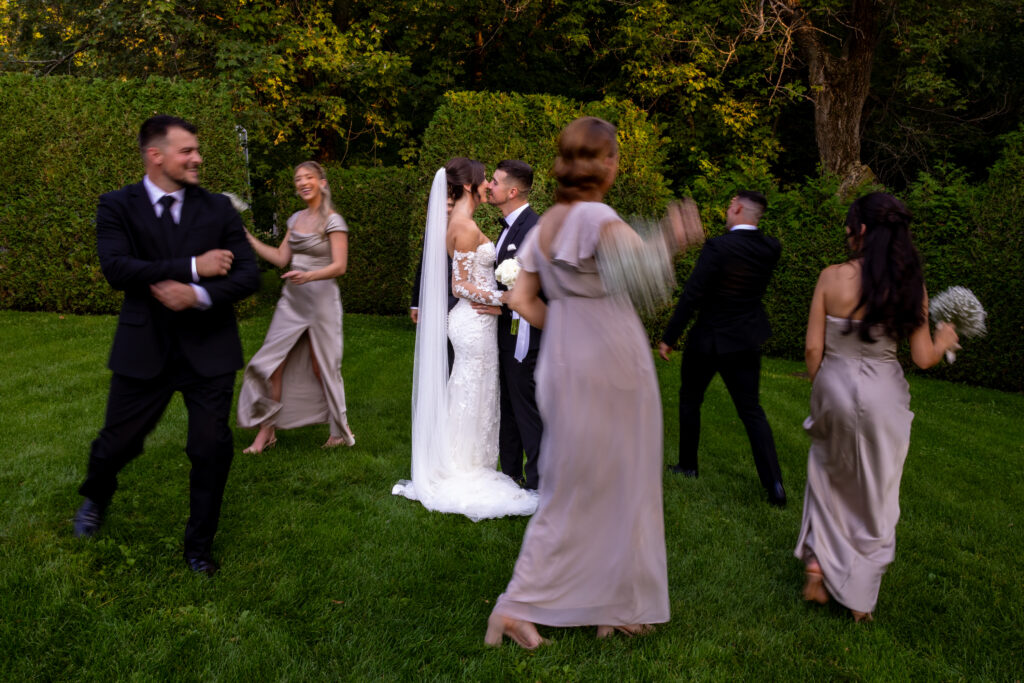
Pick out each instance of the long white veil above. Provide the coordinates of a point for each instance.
(430, 363)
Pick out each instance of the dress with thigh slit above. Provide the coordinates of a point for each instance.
(307, 316)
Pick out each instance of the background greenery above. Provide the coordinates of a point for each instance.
(65, 141)
(327, 576)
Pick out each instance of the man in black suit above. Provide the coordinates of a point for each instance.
(726, 291)
(518, 343)
(180, 255)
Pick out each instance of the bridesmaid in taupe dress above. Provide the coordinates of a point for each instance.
(295, 377)
(860, 406)
(594, 552)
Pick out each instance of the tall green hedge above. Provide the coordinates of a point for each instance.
(65, 141)
(491, 126)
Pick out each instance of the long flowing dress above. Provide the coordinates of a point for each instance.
(594, 552)
(465, 479)
(860, 432)
(307, 316)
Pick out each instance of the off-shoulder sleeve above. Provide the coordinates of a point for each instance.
(335, 223)
(576, 242)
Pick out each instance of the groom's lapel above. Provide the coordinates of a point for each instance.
(516, 233)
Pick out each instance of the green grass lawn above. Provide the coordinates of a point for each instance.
(327, 576)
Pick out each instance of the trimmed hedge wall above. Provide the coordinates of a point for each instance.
(65, 141)
(494, 126)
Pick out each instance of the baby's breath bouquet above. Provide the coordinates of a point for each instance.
(959, 307)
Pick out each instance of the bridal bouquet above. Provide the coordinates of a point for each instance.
(507, 272)
(961, 308)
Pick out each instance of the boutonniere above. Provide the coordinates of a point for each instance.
(511, 247)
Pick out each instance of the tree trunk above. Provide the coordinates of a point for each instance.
(840, 85)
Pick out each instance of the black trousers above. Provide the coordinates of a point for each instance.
(521, 426)
(741, 372)
(134, 406)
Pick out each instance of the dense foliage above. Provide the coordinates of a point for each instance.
(65, 142)
(732, 86)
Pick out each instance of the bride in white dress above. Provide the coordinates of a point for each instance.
(455, 420)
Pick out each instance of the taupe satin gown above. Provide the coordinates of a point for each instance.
(307, 315)
(860, 432)
(594, 552)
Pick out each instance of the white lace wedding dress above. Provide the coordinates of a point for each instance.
(463, 479)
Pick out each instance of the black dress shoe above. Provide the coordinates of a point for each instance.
(679, 469)
(777, 495)
(202, 565)
(88, 519)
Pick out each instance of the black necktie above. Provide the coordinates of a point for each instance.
(502, 223)
(166, 218)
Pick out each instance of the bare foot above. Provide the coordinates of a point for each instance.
(861, 616)
(814, 586)
(523, 633)
(265, 439)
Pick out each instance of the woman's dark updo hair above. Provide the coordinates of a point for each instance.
(581, 168)
(462, 171)
(891, 281)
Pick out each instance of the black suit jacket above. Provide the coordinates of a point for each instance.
(516, 235)
(725, 291)
(135, 252)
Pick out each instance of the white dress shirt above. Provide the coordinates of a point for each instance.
(155, 195)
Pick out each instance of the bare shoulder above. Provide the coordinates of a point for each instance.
(463, 234)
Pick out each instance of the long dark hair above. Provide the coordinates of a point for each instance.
(891, 280)
(462, 171)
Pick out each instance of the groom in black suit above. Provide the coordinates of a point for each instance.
(518, 343)
(180, 255)
(725, 292)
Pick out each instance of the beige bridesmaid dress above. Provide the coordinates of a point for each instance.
(860, 432)
(307, 316)
(594, 552)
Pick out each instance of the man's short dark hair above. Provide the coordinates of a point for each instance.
(754, 196)
(520, 171)
(155, 128)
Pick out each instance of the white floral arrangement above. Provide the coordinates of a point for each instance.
(507, 272)
(236, 202)
(959, 307)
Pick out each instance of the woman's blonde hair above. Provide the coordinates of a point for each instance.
(580, 167)
(326, 204)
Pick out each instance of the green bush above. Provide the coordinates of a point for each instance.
(494, 126)
(380, 206)
(66, 141)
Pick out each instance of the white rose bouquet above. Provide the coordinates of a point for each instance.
(507, 272)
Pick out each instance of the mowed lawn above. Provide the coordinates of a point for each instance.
(326, 576)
